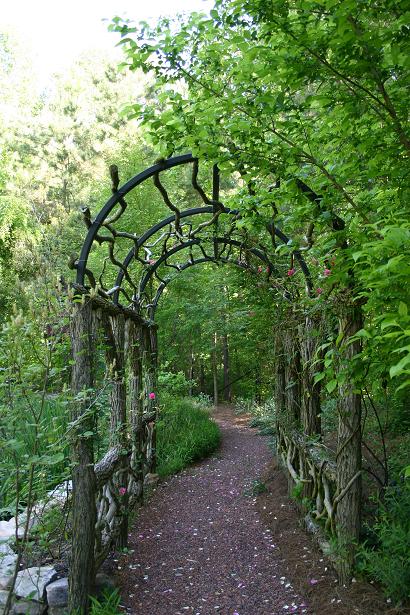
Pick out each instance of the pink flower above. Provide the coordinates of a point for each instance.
(122, 491)
(152, 261)
(319, 291)
(313, 581)
(291, 272)
(327, 272)
(151, 395)
(260, 269)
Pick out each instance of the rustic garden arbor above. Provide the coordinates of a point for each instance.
(121, 276)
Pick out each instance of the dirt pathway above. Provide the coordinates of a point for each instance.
(200, 546)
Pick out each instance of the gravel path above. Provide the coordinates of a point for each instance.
(199, 545)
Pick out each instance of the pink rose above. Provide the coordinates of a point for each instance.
(327, 272)
(122, 491)
(151, 395)
(291, 272)
(319, 291)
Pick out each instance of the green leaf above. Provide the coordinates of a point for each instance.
(330, 387)
(403, 309)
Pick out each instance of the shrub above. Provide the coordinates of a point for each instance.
(174, 383)
(388, 559)
(185, 433)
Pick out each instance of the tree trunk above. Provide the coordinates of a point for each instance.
(227, 385)
(202, 378)
(82, 573)
(215, 370)
(349, 453)
(191, 371)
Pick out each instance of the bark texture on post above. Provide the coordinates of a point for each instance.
(153, 365)
(82, 573)
(293, 401)
(310, 394)
(279, 379)
(118, 435)
(136, 402)
(349, 453)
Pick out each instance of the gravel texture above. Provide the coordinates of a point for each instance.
(200, 545)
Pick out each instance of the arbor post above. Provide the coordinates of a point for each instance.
(279, 379)
(82, 570)
(310, 394)
(136, 390)
(349, 449)
(118, 434)
(292, 375)
(153, 366)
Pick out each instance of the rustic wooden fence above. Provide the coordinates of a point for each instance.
(106, 490)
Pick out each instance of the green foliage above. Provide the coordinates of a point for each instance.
(109, 604)
(185, 433)
(291, 92)
(33, 402)
(227, 302)
(387, 558)
(263, 416)
(174, 384)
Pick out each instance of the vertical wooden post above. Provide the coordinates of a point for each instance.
(292, 377)
(136, 391)
(279, 379)
(82, 573)
(349, 453)
(310, 395)
(153, 347)
(119, 417)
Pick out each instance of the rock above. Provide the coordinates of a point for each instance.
(59, 494)
(57, 593)
(7, 563)
(28, 607)
(7, 530)
(31, 582)
(5, 549)
(57, 610)
(151, 479)
(3, 598)
(104, 584)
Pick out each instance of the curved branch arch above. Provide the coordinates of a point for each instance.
(134, 272)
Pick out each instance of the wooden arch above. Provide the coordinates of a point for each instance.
(119, 299)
